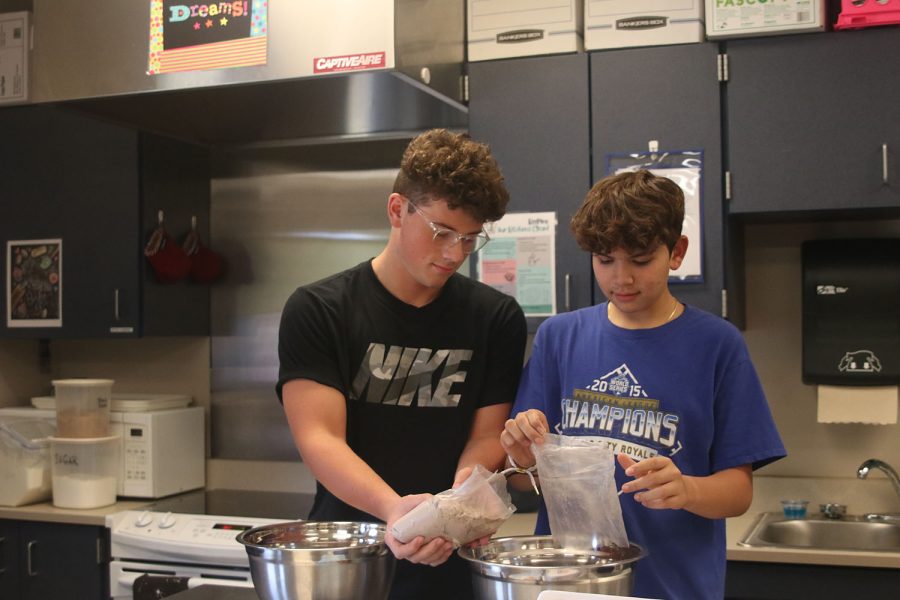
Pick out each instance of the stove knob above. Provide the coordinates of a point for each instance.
(144, 519)
(167, 521)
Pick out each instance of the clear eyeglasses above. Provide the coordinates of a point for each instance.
(447, 238)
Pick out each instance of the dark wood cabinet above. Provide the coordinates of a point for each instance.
(669, 95)
(98, 187)
(53, 561)
(552, 121)
(9, 559)
(780, 581)
(814, 123)
(534, 113)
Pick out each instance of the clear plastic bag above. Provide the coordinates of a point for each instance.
(578, 483)
(475, 509)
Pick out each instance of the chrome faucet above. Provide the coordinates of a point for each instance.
(874, 463)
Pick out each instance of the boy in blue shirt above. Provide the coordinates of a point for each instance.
(670, 388)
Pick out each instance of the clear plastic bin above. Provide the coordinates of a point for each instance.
(85, 471)
(82, 407)
(25, 461)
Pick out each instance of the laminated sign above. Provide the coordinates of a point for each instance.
(520, 260)
(192, 36)
(684, 167)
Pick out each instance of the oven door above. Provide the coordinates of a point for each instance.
(165, 579)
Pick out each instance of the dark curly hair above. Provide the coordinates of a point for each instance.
(635, 211)
(440, 165)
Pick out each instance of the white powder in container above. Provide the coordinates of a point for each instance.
(83, 490)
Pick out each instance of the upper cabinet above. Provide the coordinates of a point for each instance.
(788, 125)
(93, 191)
(552, 122)
(534, 113)
(814, 122)
(668, 95)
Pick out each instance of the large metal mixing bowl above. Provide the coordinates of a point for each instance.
(521, 567)
(307, 560)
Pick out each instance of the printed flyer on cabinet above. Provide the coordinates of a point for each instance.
(520, 260)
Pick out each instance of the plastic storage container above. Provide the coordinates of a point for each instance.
(82, 407)
(25, 461)
(85, 471)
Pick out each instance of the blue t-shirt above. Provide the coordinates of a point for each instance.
(686, 390)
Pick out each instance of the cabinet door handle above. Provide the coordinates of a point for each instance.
(884, 163)
(2, 542)
(116, 304)
(568, 292)
(29, 564)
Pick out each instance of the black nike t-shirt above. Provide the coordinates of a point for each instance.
(412, 377)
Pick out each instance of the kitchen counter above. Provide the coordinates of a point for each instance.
(738, 526)
(46, 512)
(860, 497)
(215, 592)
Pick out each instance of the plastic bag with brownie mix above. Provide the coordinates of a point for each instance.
(475, 509)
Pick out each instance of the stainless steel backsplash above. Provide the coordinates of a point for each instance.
(282, 217)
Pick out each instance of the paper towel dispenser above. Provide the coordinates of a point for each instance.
(851, 311)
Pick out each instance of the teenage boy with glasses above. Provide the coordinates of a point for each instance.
(397, 375)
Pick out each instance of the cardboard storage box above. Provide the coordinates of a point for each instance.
(621, 23)
(507, 28)
(15, 54)
(738, 18)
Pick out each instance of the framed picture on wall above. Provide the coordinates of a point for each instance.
(34, 283)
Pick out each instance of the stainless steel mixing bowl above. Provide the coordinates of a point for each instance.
(521, 567)
(306, 560)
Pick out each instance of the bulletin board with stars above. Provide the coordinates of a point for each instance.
(192, 36)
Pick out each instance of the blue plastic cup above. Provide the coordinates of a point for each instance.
(794, 509)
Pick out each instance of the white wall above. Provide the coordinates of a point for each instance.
(175, 365)
(773, 334)
(20, 376)
(158, 365)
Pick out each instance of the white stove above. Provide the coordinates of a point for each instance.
(189, 540)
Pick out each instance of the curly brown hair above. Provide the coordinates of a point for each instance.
(441, 165)
(635, 211)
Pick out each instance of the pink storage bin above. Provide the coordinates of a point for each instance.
(856, 14)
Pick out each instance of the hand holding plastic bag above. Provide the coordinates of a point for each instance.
(475, 509)
(579, 486)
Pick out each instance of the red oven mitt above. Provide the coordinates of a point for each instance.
(206, 265)
(169, 261)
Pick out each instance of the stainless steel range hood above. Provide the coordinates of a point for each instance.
(92, 55)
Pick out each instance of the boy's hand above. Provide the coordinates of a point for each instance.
(664, 485)
(482, 541)
(461, 476)
(418, 550)
(528, 427)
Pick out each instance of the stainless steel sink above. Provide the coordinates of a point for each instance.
(815, 532)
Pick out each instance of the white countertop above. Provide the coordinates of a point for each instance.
(860, 497)
(874, 495)
(736, 528)
(45, 511)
